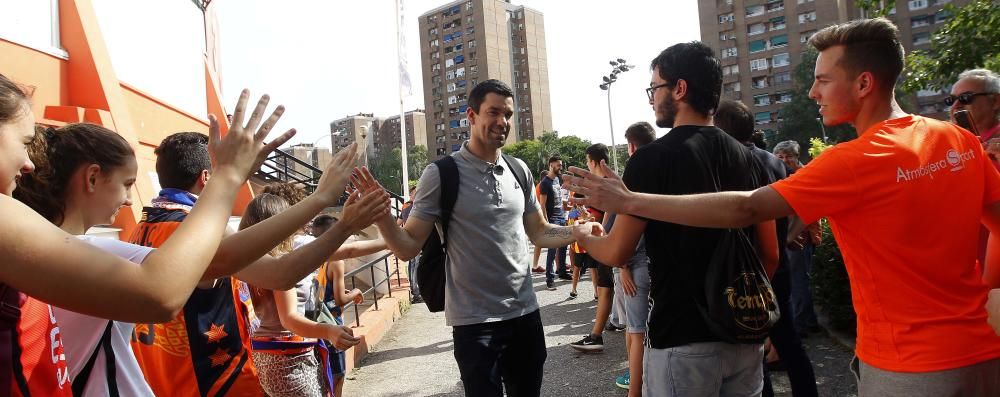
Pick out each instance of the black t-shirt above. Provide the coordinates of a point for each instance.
(688, 160)
(552, 191)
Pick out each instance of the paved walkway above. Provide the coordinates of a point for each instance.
(415, 358)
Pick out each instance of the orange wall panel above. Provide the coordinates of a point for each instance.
(44, 72)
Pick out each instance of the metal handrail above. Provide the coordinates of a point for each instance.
(370, 267)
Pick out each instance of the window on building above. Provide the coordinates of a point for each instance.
(807, 17)
(730, 70)
(472, 44)
(942, 16)
(452, 100)
(448, 50)
(473, 69)
(727, 35)
(724, 18)
(805, 35)
(451, 87)
(458, 47)
(779, 41)
(761, 100)
(435, 55)
(782, 78)
(804, 1)
(449, 63)
(729, 52)
(731, 87)
(917, 4)
(461, 84)
(777, 23)
(459, 59)
(779, 60)
(921, 38)
(783, 97)
(468, 5)
(435, 67)
(759, 82)
(453, 124)
(463, 122)
(758, 64)
(762, 117)
(450, 75)
(757, 46)
(756, 10)
(756, 28)
(775, 5)
(470, 30)
(921, 21)
(460, 72)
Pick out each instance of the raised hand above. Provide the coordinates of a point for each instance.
(608, 193)
(242, 150)
(342, 337)
(361, 210)
(335, 177)
(364, 181)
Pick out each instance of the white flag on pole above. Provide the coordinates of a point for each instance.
(405, 88)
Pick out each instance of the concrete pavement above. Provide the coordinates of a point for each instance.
(415, 358)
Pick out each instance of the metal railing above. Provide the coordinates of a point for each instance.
(280, 166)
(383, 263)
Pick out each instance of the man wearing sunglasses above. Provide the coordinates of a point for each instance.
(978, 91)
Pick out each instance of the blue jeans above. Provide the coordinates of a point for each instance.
(411, 272)
(802, 299)
(501, 356)
(555, 253)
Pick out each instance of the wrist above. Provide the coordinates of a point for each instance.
(228, 175)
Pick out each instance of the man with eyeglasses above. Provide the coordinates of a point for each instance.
(978, 91)
(683, 356)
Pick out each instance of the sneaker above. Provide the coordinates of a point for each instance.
(572, 295)
(417, 299)
(615, 328)
(566, 277)
(589, 343)
(550, 285)
(623, 381)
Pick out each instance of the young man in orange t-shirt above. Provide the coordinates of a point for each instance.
(905, 200)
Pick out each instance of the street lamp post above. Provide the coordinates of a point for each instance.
(364, 141)
(617, 66)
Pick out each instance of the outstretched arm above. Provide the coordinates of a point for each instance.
(239, 250)
(406, 241)
(546, 235)
(617, 247)
(717, 210)
(51, 265)
(282, 273)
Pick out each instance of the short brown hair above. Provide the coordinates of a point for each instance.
(870, 45)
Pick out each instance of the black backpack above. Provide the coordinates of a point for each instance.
(431, 270)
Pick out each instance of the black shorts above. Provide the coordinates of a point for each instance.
(605, 278)
(583, 261)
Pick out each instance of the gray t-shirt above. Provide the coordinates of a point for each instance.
(488, 268)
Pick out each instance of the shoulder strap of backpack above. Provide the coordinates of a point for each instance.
(448, 172)
(80, 383)
(522, 178)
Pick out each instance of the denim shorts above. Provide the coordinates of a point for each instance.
(637, 307)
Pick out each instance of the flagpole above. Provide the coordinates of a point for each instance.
(402, 113)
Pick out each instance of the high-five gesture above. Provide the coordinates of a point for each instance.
(361, 210)
(364, 181)
(336, 176)
(242, 150)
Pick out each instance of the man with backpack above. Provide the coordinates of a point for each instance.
(481, 203)
(692, 348)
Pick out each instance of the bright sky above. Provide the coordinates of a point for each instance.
(327, 59)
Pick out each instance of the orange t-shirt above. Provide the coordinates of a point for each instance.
(905, 200)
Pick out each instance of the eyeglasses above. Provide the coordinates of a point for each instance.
(964, 98)
(651, 90)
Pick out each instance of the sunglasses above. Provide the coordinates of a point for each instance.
(964, 98)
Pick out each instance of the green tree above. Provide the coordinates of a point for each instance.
(387, 170)
(799, 118)
(970, 39)
(875, 8)
(417, 160)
